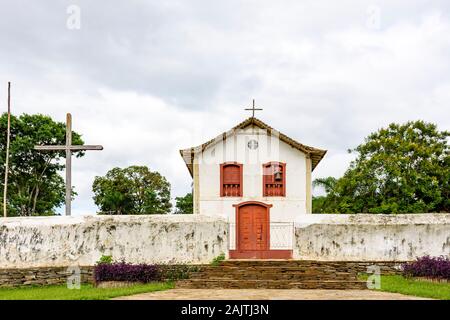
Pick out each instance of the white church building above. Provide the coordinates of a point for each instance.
(257, 178)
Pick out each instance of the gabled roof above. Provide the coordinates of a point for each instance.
(315, 154)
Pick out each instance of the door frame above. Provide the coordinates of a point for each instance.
(253, 253)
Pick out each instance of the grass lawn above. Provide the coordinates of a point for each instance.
(86, 292)
(413, 287)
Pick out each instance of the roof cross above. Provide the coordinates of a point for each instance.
(253, 109)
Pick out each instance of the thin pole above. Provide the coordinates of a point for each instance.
(253, 115)
(68, 163)
(8, 132)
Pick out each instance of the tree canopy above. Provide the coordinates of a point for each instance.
(399, 169)
(184, 204)
(34, 184)
(132, 190)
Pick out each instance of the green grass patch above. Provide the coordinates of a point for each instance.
(413, 287)
(86, 292)
(217, 260)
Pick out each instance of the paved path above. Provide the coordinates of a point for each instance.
(267, 294)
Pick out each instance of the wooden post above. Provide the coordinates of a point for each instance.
(308, 183)
(68, 164)
(8, 132)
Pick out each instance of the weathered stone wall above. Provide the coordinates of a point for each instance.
(14, 277)
(365, 237)
(66, 241)
(197, 239)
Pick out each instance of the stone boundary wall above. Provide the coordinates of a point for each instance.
(71, 241)
(196, 239)
(15, 277)
(42, 276)
(371, 237)
(386, 267)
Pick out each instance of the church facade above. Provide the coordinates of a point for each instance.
(257, 178)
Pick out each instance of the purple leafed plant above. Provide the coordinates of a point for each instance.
(429, 267)
(121, 271)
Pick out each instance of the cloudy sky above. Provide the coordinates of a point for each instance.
(147, 78)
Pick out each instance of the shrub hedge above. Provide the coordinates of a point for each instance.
(429, 267)
(144, 273)
(121, 271)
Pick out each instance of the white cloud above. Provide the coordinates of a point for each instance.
(148, 78)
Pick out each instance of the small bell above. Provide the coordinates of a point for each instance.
(278, 176)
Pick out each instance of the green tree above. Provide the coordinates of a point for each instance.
(321, 204)
(184, 204)
(132, 190)
(327, 183)
(34, 184)
(398, 169)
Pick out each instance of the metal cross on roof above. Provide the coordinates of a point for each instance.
(69, 148)
(253, 109)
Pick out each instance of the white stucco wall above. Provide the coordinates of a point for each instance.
(270, 148)
(65, 241)
(371, 237)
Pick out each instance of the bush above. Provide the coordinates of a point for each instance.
(217, 260)
(429, 267)
(105, 270)
(121, 271)
(105, 259)
(176, 271)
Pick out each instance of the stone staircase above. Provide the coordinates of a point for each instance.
(275, 274)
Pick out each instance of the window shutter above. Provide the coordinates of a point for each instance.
(231, 180)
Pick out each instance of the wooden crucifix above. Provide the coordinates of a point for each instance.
(253, 109)
(69, 148)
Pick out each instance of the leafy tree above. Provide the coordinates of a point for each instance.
(132, 190)
(398, 169)
(321, 204)
(34, 184)
(327, 183)
(184, 204)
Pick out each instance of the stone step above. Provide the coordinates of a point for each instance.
(280, 261)
(272, 275)
(275, 269)
(312, 271)
(275, 274)
(270, 284)
(288, 263)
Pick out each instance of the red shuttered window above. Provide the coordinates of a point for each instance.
(231, 179)
(274, 179)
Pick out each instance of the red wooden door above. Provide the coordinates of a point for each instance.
(253, 229)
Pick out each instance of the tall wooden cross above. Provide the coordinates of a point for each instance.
(253, 109)
(69, 148)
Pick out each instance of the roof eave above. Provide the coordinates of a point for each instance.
(315, 153)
